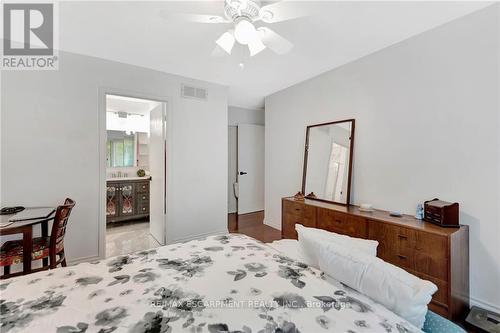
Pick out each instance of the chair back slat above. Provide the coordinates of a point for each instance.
(60, 221)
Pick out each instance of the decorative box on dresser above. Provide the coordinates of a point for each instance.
(437, 254)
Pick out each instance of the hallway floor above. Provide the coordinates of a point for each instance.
(127, 237)
(252, 225)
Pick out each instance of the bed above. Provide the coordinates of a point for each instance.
(225, 283)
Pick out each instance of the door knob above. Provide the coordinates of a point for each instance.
(242, 173)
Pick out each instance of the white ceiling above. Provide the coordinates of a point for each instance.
(333, 34)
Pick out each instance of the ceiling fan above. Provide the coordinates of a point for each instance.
(243, 14)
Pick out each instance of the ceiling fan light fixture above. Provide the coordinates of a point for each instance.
(226, 41)
(237, 4)
(245, 32)
(266, 15)
(256, 46)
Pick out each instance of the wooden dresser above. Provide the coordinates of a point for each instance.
(440, 255)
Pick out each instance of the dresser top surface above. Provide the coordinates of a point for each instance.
(382, 216)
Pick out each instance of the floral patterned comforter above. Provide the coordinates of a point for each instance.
(228, 283)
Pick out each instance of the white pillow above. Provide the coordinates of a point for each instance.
(310, 240)
(393, 287)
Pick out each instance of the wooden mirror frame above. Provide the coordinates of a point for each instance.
(351, 151)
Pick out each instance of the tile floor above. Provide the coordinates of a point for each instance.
(128, 237)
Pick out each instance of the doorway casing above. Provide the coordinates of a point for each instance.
(165, 100)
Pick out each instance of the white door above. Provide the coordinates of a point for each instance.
(250, 168)
(157, 167)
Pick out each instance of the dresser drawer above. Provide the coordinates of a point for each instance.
(431, 264)
(299, 209)
(341, 223)
(386, 236)
(432, 254)
(142, 197)
(330, 220)
(289, 222)
(288, 226)
(410, 249)
(393, 244)
(441, 295)
(429, 252)
(143, 208)
(440, 309)
(142, 187)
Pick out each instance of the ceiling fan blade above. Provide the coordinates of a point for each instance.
(274, 41)
(226, 41)
(283, 11)
(219, 52)
(255, 46)
(196, 18)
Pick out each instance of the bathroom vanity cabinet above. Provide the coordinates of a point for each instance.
(127, 199)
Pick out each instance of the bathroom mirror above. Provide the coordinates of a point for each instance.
(328, 161)
(120, 149)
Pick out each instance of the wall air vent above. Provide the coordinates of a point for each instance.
(194, 92)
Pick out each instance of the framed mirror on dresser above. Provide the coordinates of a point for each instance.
(328, 154)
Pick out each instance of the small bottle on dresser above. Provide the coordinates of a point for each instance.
(419, 214)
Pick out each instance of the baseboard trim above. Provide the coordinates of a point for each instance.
(82, 259)
(485, 305)
(272, 225)
(250, 213)
(198, 236)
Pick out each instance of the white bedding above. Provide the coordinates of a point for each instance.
(289, 247)
(229, 283)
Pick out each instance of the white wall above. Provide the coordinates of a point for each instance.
(238, 115)
(427, 125)
(50, 145)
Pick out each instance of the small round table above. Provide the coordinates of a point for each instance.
(26, 228)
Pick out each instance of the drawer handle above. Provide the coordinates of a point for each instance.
(403, 236)
(143, 208)
(297, 209)
(402, 257)
(143, 197)
(338, 221)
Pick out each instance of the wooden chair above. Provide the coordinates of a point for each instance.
(44, 248)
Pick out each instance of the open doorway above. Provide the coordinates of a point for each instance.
(246, 171)
(135, 200)
(246, 182)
